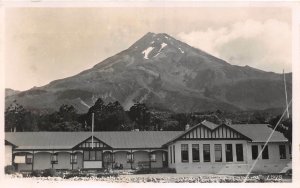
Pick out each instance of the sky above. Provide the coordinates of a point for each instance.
(45, 44)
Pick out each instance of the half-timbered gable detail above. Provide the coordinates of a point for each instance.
(92, 143)
(208, 131)
(199, 132)
(225, 132)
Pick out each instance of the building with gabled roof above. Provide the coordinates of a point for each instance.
(203, 148)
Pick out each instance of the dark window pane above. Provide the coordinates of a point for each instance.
(254, 152)
(173, 153)
(98, 155)
(171, 157)
(239, 152)
(229, 156)
(86, 155)
(184, 153)
(92, 155)
(206, 152)
(218, 152)
(195, 152)
(265, 153)
(282, 152)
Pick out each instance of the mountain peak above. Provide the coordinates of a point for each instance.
(154, 44)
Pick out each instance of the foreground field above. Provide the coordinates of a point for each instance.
(164, 178)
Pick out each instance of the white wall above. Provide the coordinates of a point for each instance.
(273, 164)
(8, 155)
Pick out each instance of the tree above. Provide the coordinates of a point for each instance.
(65, 119)
(110, 117)
(285, 126)
(15, 116)
(140, 114)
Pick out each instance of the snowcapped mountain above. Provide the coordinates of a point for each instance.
(164, 73)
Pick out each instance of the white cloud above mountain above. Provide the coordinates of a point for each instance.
(264, 45)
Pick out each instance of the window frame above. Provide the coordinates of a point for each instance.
(195, 150)
(96, 155)
(242, 152)
(229, 155)
(153, 159)
(221, 159)
(54, 158)
(28, 158)
(184, 153)
(284, 151)
(73, 158)
(130, 159)
(265, 152)
(252, 154)
(207, 153)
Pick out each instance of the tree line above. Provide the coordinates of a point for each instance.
(112, 117)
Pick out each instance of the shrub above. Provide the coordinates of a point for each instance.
(50, 172)
(37, 173)
(9, 169)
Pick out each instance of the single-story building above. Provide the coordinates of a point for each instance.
(203, 148)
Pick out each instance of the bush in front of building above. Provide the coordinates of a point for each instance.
(9, 169)
(50, 172)
(37, 173)
(155, 170)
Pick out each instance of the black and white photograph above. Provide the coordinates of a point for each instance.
(149, 92)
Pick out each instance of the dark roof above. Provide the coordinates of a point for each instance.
(258, 132)
(67, 140)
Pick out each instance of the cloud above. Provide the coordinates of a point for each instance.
(265, 44)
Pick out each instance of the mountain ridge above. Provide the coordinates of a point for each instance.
(163, 71)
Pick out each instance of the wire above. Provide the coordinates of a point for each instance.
(260, 153)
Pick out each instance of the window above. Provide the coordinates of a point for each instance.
(254, 152)
(28, 158)
(282, 152)
(265, 153)
(290, 150)
(164, 156)
(229, 156)
(239, 152)
(152, 157)
(54, 158)
(73, 158)
(206, 152)
(86, 155)
(184, 153)
(218, 152)
(195, 152)
(92, 155)
(173, 153)
(130, 158)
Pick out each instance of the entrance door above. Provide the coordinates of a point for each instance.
(107, 159)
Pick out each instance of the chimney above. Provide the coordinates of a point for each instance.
(187, 126)
(228, 121)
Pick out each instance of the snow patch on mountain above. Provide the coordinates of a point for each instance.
(147, 51)
(181, 50)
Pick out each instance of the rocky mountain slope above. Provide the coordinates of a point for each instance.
(166, 74)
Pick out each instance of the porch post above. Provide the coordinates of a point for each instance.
(71, 158)
(112, 158)
(32, 160)
(131, 157)
(52, 158)
(149, 159)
